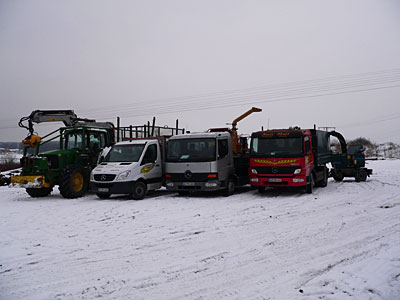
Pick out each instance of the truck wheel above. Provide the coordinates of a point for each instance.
(139, 190)
(310, 185)
(42, 192)
(337, 175)
(361, 175)
(230, 188)
(103, 195)
(74, 182)
(324, 181)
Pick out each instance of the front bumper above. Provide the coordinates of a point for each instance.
(296, 181)
(210, 185)
(35, 182)
(117, 187)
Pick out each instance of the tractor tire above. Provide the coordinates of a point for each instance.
(139, 190)
(42, 192)
(74, 182)
(361, 175)
(338, 176)
(230, 188)
(103, 195)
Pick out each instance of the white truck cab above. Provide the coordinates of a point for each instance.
(130, 167)
(203, 162)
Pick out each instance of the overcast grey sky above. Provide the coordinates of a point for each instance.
(330, 63)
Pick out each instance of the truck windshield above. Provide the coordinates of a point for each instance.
(191, 150)
(277, 147)
(124, 153)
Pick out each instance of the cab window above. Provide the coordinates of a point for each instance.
(73, 140)
(307, 144)
(222, 148)
(97, 140)
(150, 155)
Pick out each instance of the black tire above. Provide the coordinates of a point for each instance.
(74, 182)
(361, 175)
(230, 188)
(310, 185)
(261, 189)
(41, 192)
(324, 181)
(103, 195)
(337, 175)
(139, 190)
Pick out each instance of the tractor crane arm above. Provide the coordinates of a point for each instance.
(68, 117)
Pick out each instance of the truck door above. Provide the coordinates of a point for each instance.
(309, 159)
(223, 159)
(96, 141)
(151, 166)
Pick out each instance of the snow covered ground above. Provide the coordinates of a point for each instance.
(342, 242)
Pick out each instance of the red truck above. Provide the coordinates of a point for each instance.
(291, 157)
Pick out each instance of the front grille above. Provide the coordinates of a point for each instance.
(104, 177)
(53, 161)
(276, 170)
(195, 177)
(27, 162)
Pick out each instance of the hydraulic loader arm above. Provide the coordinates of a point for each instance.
(68, 117)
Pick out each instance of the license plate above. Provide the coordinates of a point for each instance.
(188, 183)
(275, 180)
(104, 190)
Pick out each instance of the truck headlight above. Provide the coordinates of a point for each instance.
(123, 175)
(211, 184)
(297, 171)
(254, 171)
(170, 184)
(254, 179)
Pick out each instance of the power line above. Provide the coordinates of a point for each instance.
(275, 93)
(396, 72)
(236, 93)
(254, 102)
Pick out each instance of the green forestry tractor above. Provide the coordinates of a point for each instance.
(81, 142)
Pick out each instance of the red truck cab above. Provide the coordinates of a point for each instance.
(291, 157)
